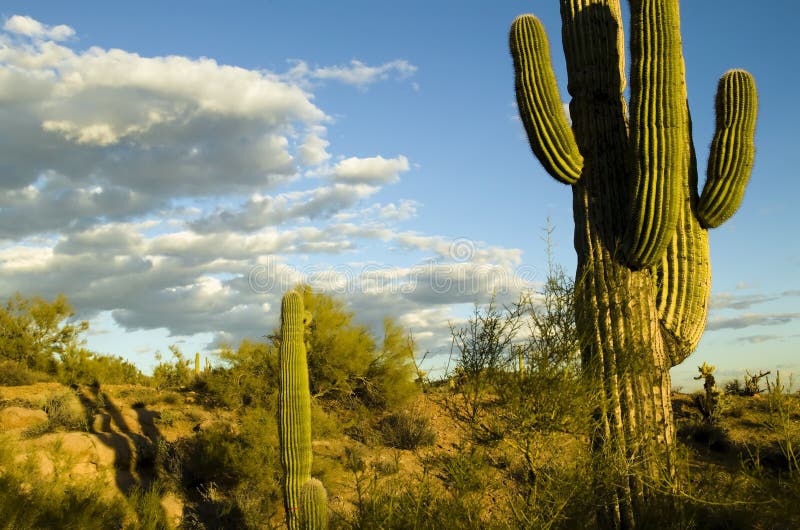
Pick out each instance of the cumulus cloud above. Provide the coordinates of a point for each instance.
(376, 169)
(313, 150)
(24, 25)
(108, 134)
(402, 211)
(183, 194)
(261, 211)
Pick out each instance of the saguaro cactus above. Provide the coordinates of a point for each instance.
(304, 497)
(197, 364)
(643, 276)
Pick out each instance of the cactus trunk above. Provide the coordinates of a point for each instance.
(304, 497)
(625, 357)
(643, 277)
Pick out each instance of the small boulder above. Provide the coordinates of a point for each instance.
(13, 418)
(101, 423)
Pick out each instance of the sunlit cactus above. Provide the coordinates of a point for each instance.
(643, 277)
(304, 498)
(313, 505)
(197, 364)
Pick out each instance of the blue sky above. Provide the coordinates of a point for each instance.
(171, 165)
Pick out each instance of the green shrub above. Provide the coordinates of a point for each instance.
(406, 429)
(81, 366)
(248, 378)
(404, 502)
(146, 504)
(231, 478)
(64, 412)
(15, 374)
(35, 331)
(348, 366)
(177, 374)
(463, 472)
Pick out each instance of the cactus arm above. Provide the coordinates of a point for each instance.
(294, 406)
(539, 103)
(658, 129)
(684, 285)
(683, 278)
(732, 150)
(313, 505)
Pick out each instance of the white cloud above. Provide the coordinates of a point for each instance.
(359, 74)
(356, 73)
(24, 25)
(313, 150)
(262, 211)
(183, 194)
(370, 170)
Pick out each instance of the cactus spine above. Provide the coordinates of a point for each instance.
(643, 277)
(304, 498)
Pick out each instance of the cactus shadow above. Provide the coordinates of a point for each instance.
(134, 454)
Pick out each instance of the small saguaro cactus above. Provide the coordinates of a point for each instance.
(304, 498)
(197, 364)
(643, 277)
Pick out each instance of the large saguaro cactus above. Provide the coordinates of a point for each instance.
(304, 498)
(643, 277)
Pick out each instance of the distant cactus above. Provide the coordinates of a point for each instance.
(643, 277)
(197, 364)
(304, 497)
(709, 403)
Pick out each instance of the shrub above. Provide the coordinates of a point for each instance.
(232, 478)
(15, 374)
(81, 366)
(249, 379)
(63, 412)
(463, 472)
(733, 388)
(406, 429)
(34, 330)
(177, 374)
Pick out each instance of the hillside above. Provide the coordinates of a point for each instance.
(142, 458)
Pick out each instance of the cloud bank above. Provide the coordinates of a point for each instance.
(183, 194)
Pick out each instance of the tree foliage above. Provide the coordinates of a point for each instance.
(347, 364)
(33, 331)
(81, 366)
(176, 374)
(345, 361)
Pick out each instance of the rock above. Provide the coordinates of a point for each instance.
(13, 418)
(173, 509)
(101, 423)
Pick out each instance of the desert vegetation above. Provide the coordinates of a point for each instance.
(502, 440)
(555, 410)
